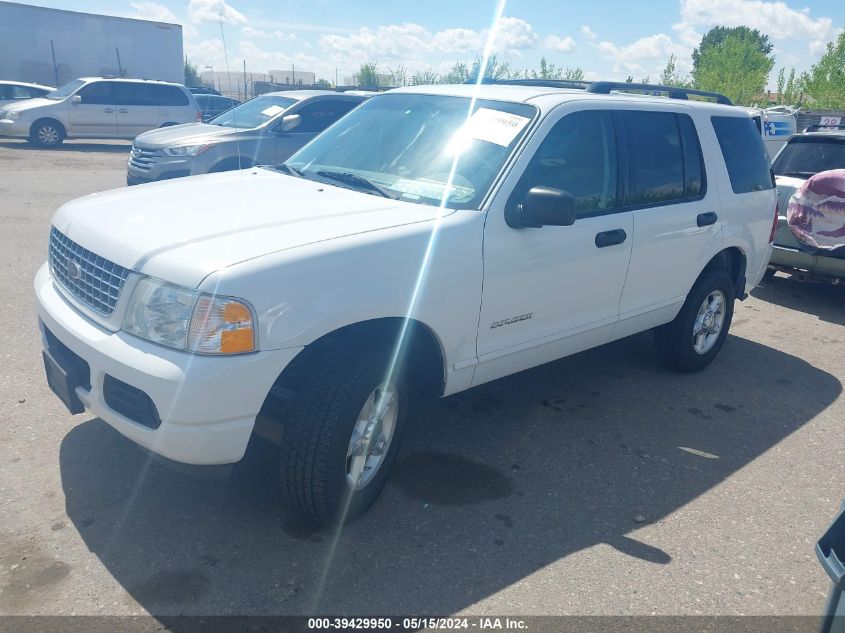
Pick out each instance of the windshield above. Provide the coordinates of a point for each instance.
(805, 156)
(64, 91)
(254, 112)
(406, 145)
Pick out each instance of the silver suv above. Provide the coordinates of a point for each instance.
(263, 131)
(98, 107)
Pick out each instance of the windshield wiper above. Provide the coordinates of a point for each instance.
(799, 174)
(293, 171)
(356, 181)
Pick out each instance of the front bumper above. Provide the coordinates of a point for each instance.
(207, 404)
(153, 165)
(14, 129)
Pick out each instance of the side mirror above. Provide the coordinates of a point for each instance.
(75, 99)
(542, 206)
(289, 122)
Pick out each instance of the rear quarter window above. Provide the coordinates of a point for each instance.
(744, 153)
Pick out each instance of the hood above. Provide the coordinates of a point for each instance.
(184, 134)
(185, 229)
(26, 104)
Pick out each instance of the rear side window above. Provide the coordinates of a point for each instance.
(140, 94)
(169, 96)
(694, 176)
(744, 153)
(656, 158)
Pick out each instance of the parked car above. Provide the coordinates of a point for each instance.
(264, 130)
(805, 155)
(775, 124)
(433, 239)
(203, 90)
(97, 107)
(14, 91)
(214, 105)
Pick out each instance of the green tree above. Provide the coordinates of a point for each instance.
(425, 77)
(719, 34)
(826, 80)
(368, 75)
(549, 70)
(629, 79)
(192, 76)
(325, 84)
(736, 67)
(398, 76)
(457, 74)
(670, 75)
(781, 84)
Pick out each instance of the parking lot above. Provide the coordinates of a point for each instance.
(598, 484)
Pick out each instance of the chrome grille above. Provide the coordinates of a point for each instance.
(93, 280)
(143, 159)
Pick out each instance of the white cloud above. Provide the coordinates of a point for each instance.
(248, 31)
(214, 11)
(589, 33)
(641, 55)
(513, 34)
(160, 13)
(776, 19)
(560, 44)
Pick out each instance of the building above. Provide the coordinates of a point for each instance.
(241, 85)
(53, 46)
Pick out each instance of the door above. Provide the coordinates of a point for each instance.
(137, 108)
(316, 116)
(677, 228)
(554, 290)
(94, 113)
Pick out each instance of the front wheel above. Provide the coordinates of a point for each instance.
(694, 338)
(342, 434)
(46, 133)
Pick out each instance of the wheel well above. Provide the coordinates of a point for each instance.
(732, 261)
(232, 163)
(421, 353)
(47, 119)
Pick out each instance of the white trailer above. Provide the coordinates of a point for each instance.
(53, 46)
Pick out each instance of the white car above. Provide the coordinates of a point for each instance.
(432, 240)
(14, 91)
(97, 107)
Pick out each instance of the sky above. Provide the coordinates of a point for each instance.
(610, 39)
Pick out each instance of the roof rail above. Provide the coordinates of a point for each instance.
(673, 92)
(823, 128)
(574, 84)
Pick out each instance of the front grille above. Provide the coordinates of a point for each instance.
(143, 159)
(130, 402)
(92, 279)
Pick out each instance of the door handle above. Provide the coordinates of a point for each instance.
(109, 110)
(123, 110)
(610, 238)
(706, 219)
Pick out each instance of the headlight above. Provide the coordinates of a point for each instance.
(189, 320)
(11, 115)
(188, 150)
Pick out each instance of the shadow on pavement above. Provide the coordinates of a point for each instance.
(826, 301)
(492, 486)
(116, 147)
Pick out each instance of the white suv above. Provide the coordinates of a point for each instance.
(97, 107)
(433, 239)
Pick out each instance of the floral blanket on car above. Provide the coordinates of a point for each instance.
(816, 213)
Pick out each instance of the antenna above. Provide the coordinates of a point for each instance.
(229, 81)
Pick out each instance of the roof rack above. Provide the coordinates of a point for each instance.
(673, 92)
(823, 128)
(543, 83)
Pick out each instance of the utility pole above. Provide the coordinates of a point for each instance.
(246, 96)
(293, 74)
(119, 66)
(55, 66)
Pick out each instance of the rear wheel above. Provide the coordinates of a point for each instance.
(46, 133)
(694, 338)
(342, 434)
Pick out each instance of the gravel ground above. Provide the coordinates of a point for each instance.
(598, 484)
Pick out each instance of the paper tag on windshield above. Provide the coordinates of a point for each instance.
(495, 126)
(273, 110)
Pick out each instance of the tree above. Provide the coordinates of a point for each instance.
(457, 74)
(629, 79)
(719, 34)
(736, 67)
(670, 75)
(826, 80)
(325, 84)
(398, 76)
(192, 76)
(781, 84)
(368, 75)
(425, 77)
(548, 70)
(494, 69)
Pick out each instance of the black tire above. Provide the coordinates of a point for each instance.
(46, 133)
(318, 428)
(675, 340)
